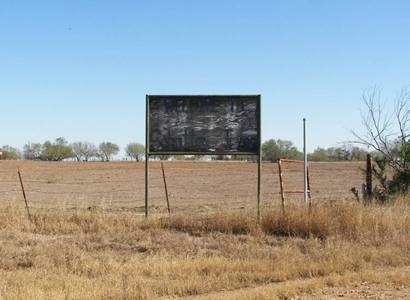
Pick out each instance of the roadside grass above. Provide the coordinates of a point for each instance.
(91, 254)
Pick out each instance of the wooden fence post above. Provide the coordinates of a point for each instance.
(24, 195)
(284, 191)
(282, 194)
(309, 188)
(166, 188)
(369, 177)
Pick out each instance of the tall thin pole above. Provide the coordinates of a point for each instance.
(147, 157)
(305, 161)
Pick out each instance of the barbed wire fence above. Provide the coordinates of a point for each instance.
(192, 186)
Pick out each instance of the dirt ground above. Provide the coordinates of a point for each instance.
(193, 186)
(362, 291)
(393, 289)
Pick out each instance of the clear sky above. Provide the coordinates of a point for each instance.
(81, 69)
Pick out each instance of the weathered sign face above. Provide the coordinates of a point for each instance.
(204, 124)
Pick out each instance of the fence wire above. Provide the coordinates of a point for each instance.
(192, 186)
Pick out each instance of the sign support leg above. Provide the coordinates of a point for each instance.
(146, 184)
(305, 176)
(259, 157)
(147, 140)
(259, 186)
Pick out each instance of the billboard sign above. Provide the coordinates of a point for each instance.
(222, 125)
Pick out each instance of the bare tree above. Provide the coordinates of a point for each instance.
(90, 151)
(387, 133)
(77, 150)
(402, 116)
(32, 151)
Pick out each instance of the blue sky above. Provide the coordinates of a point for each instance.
(81, 69)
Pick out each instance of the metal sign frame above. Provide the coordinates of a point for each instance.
(149, 153)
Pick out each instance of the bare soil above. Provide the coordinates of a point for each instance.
(193, 186)
(313, 289)
(364, 290)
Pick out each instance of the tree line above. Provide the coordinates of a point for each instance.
(272, 150)
(60, 150)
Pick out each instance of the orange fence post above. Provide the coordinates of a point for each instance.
(284, 191)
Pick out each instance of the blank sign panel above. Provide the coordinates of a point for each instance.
(204, 124)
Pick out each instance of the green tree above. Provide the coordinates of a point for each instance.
(319, 154)
(57, 151)
(107, 150)
(344, 153)
(272, 150)
(357, 153)
(338, 153)
(135, 151)
(10, 153)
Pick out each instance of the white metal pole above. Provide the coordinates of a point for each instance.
(305, 188)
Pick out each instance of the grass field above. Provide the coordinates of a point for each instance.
(213, 250)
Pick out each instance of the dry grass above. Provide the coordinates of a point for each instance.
(91, 254)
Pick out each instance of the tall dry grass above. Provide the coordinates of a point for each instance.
(91, 254)
(350, 221)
